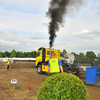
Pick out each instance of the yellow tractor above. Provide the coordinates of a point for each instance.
(43, 58)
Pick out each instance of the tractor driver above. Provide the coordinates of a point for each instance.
(54, 65)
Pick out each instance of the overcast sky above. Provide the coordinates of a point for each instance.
(24, 27)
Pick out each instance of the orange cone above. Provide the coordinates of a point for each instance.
(28, 88)
(5, 67)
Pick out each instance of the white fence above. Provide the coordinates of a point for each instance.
(17, 59)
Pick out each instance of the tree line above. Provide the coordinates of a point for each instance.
(90, 55)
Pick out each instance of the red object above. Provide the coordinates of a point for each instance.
(5, 67)
(81, 68)
(64, 69)
(28, 88)
(44, 67)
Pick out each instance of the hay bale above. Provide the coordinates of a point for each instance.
(2, 65)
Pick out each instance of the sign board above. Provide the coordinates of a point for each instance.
(69, 58)
(14, 81)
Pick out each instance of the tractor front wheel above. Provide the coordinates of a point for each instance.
(39, 69)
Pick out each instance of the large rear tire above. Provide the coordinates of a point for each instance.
(39, 69)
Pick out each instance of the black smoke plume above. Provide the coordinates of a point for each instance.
(56, 13)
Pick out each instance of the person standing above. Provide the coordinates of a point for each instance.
(8, 63)
(54, 65)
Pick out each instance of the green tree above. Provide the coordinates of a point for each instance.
(26, 54)
(13, 53)
(29, 54)
(7, 53)
(17, 53)
(21, 55)
(98, 56)
(76, 56)
(34, 54)
(63, 53)
(90, 55)
(1, 55)
(5, 56)
(82, 56)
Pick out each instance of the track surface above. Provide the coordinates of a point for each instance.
(24, 76)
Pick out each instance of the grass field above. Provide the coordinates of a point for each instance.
(35, 80)
(16, 91)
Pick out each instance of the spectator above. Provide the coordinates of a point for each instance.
(8, 63)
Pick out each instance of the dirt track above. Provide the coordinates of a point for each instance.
(13, 65)
(24, 76)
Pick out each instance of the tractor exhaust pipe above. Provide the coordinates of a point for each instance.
(50, 53)
(50, 58)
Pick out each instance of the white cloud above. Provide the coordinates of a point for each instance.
(4, 43)
(23, 22)
(86, 34)
(11, 40)
(80, 33)
(25, 5)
